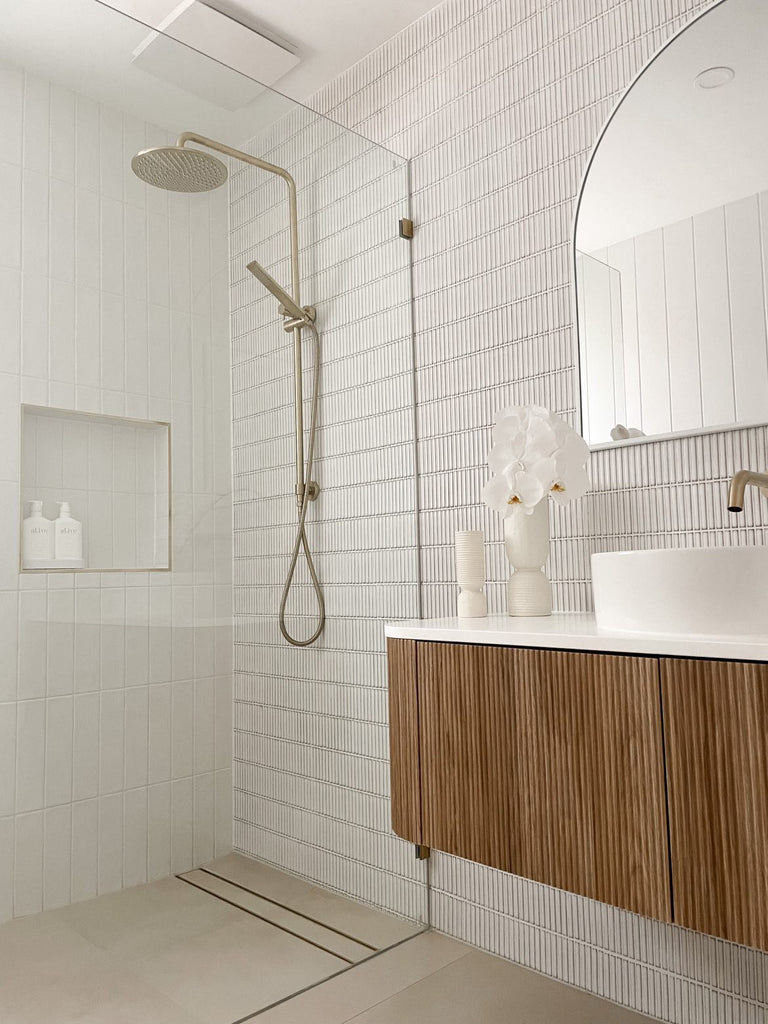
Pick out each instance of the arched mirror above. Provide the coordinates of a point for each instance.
(671, 240)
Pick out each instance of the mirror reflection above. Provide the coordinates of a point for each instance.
(671, 240)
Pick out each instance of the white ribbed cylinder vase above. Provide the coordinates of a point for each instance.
(526, 543)
(470, 574)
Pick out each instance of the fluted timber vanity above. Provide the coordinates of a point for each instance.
(632, 769)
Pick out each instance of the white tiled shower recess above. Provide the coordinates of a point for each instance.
(114, 473)
(311, 785)
(114, 688)
(498, 104)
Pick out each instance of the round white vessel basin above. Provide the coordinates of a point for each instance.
(708, 591)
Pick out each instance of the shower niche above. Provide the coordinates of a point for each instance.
(106, 480)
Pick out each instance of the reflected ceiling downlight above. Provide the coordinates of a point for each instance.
(714, 78)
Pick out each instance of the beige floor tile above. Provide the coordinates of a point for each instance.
(235, 970)
(484, 989)
(147, 919)
(50, 975)
(350, 993)
(362, 923)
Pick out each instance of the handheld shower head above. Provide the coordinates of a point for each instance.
(177, 169)
(282, 296)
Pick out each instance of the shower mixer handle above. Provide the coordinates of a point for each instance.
(290, 323)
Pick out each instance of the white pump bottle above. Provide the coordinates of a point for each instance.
(68, 539)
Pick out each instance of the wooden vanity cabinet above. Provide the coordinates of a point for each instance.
(638, 781)
(716, 731)
(547, 764)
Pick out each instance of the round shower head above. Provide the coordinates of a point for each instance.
(178, 169)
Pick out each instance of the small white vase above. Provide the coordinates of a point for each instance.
(470, 574)
(526, 542)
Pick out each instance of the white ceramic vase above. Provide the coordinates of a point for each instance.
(470, 574)
(526, 542)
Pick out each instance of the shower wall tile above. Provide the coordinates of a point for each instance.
(99, 671)
(310, 752)
(497, 104)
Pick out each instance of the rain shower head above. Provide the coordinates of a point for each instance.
(177, 169)
(282, 296)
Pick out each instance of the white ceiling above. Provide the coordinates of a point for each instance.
(673, 150)
(328, 36)
(87, 46)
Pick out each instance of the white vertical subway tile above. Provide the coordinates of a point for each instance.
(58, 750)
(28, 861)
(135, 838)
(62, 332)
(62, 134)
(182, 825)
(136, 736)
(204, 846)
(6, 868)
(11, 112)
(10, 308)
(30, 755)
(57, 863)
(60, 643)
(36, 123)
(159, 733)
(7, 759)
(10, 214)
(111, 165)
(110, 842)
(9, 430)
(85, 776)
(182, 729)
(159, 831)
(111, 741)
(87, 640)
(85, 850)
(204, 725)
(223, 812)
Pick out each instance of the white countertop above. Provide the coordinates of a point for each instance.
(577, 632)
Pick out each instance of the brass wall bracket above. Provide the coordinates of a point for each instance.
(406, 228)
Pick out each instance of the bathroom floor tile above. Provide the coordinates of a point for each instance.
(349, 994)
(235, 970)
(167, 953)
(485, 989)
(148, 919)
(50, 975)
(365, 924)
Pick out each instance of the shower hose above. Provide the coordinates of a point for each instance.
(301, 536)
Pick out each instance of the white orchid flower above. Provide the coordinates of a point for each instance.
(535, 453)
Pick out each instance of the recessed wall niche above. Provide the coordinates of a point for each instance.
(113, 473)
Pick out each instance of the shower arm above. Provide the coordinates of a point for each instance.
(263, 165)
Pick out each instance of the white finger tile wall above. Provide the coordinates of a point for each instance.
(115, 688)
(497, 103)
(311, 777)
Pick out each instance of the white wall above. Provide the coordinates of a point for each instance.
(114, 687)
(498, 103)
(693, 343)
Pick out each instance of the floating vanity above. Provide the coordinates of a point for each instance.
(632, 769)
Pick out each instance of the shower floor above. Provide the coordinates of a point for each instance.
(212, 946)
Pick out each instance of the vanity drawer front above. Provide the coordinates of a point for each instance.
(547, 764)
(716, 733)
